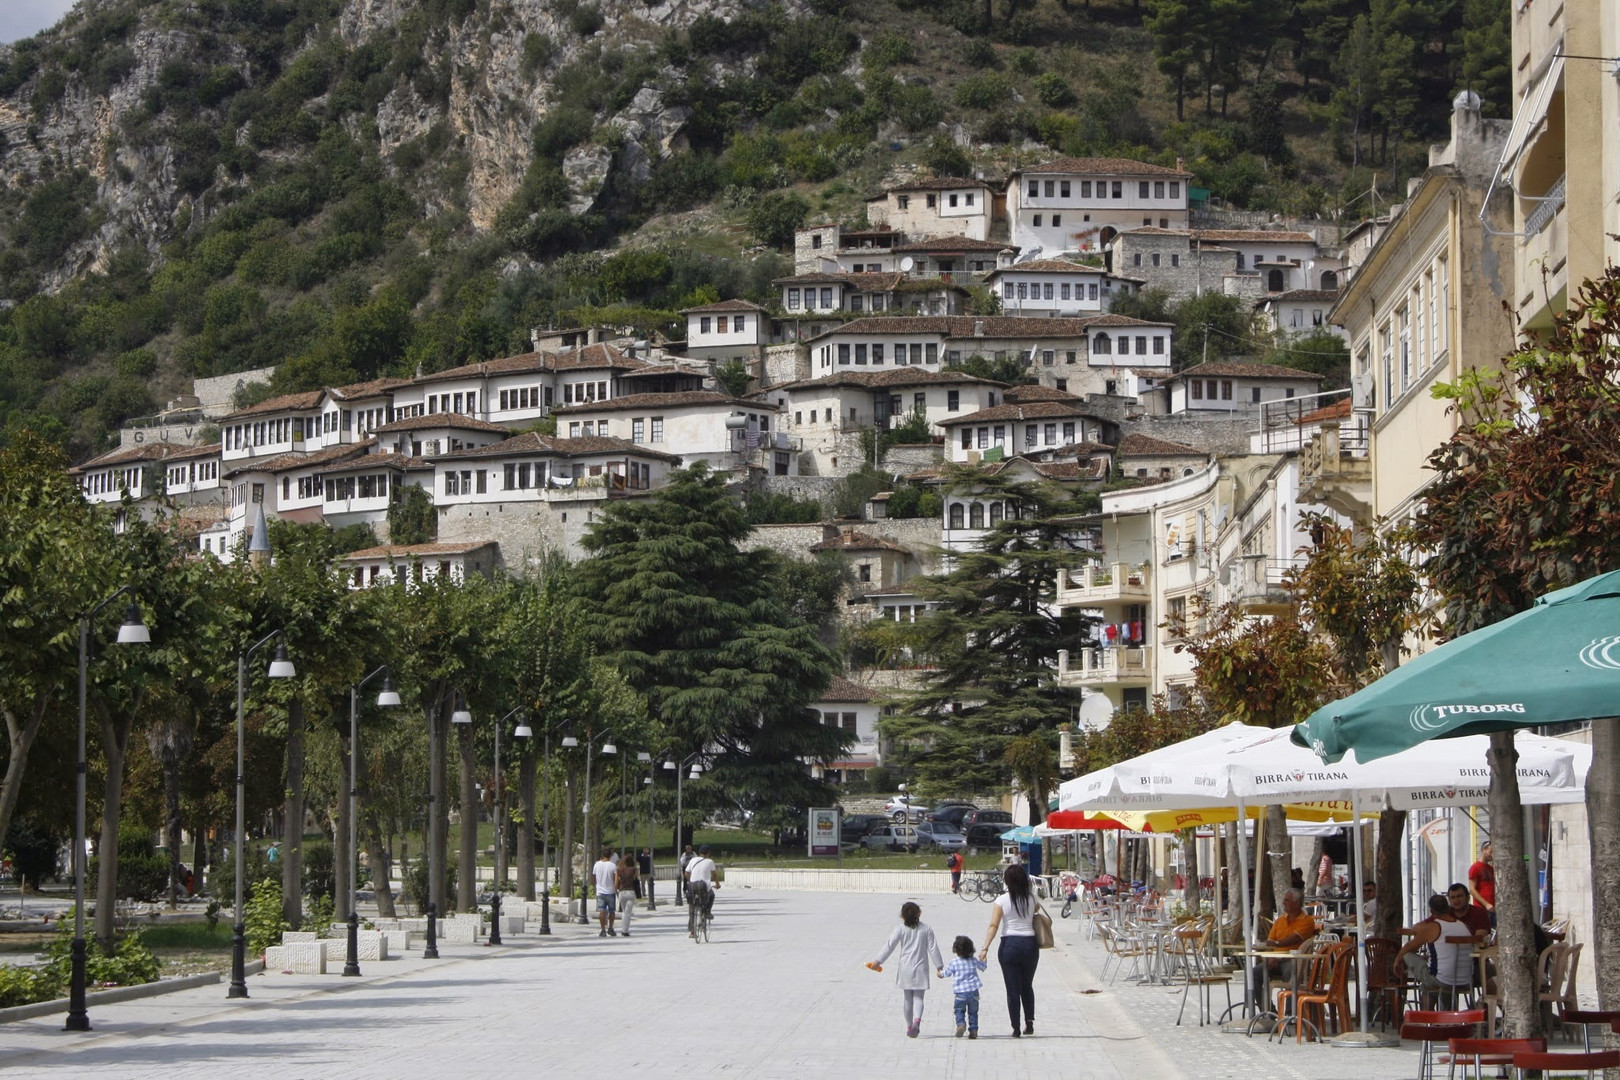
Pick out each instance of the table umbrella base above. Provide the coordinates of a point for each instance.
(1365, 1040)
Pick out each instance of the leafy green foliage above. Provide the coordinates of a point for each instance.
(261, 915)
(33, 849)
(411, 518)
(143, 874)
(778, 508)
(732, 375)
(774, 217)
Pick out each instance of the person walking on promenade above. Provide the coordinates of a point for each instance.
(1014, 918)
(953, 863)
(606, 874)
(627, 886)
(919, 954)
(963, 971)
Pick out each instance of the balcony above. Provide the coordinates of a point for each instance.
(1258, 585)
(1103, 583)
(1335, 471)
(1544, 250)
(1099, 666)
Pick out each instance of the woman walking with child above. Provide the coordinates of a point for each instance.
(1014, 918)
(918, 957)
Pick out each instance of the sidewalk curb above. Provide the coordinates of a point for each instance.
(122, 993)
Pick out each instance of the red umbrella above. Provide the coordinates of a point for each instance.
(1076, 819)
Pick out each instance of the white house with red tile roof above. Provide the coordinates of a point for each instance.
(1234, 387)
(1057, 287)
(406, 564)
(533, 467)
(437, 433)
(1009, 430)
(699, 425)
(823, 293)
(1081, 204)
(730, 328)
(817, 410)
(1300, 312)
(852, 708)
(938, 206)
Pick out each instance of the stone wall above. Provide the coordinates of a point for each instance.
(784, 364)
(214, 396)
(1197, 270)
(909, 458)
(525, 531)
(1220, 436)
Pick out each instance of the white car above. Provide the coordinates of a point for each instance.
(891, 838)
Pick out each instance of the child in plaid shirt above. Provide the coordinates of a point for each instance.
(963, 971)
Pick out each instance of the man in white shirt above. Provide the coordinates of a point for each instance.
(700, 886)
(606, 906)
(1369, 902)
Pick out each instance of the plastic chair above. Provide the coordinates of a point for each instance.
(1385, 986)
(1195, 971)
(1552, 1065)
(1489, 1053)
(1431, 1026)
(1550, 979)
(1586, 1019)
(1313, 985)
(1570, 1000)
(1334, 998)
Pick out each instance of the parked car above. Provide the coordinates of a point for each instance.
(904, 808)
(952, 814)
(988, 817)
(854, 826)
(938, 836)
(891, 838)
(985, 834)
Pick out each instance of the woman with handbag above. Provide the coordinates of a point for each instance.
(1016, 916)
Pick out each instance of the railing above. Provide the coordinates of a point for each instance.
(1104, 663)
(1547, 208)
(1291, 423)
(1110, 576)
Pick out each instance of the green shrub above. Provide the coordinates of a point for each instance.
(27, 985)
(983, 91)
(143, 874)
(319, 914)
(538, 50)
(1053, 90)
(916, 108)
(888, 50)
(942, 157)
(262, 916)
(33, 849)
(320, 870)
(775, 216)
(586, 20)
(979, 53)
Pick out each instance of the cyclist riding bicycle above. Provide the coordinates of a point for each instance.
(700, 886)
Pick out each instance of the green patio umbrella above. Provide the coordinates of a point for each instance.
(1557, 662)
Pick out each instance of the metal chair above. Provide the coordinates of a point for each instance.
(1551, 1065)
(1385, 986)
(1586, 1019)
(1431, 1026)
(1489, 1053)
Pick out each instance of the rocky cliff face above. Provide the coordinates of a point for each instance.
(51, 126)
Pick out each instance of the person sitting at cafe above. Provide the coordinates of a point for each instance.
(1289, 931)
(1471, 915)
(1369, 902)
(1438, 954)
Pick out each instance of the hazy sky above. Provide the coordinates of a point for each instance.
(20, 18)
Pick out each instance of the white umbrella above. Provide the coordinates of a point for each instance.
(1184, 776)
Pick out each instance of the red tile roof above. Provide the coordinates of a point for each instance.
(724, 305)
(841, 689)
(452, 421)
(1049, 266)
(283, 403)
(943, 183)
(1031, 392)
(533, 443)
(1147, 446)
(154, 451)
(993, 326)
(1234, 369)
(1032, 410)
(897, 377)
(856, 541)
(955, 243)
(300, 460)
(1105, 166)
(407, 551)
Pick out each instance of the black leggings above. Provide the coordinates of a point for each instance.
(1019, 957)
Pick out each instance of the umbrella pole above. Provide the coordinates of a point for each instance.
(1248, 915)
(1364, 1037)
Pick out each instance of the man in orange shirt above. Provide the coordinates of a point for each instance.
(1291, 930)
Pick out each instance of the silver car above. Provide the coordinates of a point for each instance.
(939, 836)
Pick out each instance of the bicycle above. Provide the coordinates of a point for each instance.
(1069, 887)
(700, 911)
(968, 887)
(989, 886)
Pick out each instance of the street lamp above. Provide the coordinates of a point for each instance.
(388, 698)
(132, 632)
(680, 824)
(461, 716)
(545, 838)
(646, 759)
(585, 805)
(280, 668)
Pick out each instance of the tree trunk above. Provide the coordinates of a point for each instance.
(1603, 831)
(115, 747)
(1189, 865)
(439, 852)
(21, 736)
(525, 834)
(1515, 935)
(1318, 849)
(1265, 893)
(1387, 873)
(381, 869)
(342, 857)
(292, 825)
(1277, 841)
(565, 857)
(171, 824)
(467, 849)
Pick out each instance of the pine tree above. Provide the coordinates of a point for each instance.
(705, 631)
(996, 636)
(1176, 26)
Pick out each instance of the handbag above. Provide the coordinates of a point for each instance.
(1042, 922)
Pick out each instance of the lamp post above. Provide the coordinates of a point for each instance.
(680, 830)
(545, 838)
(652, 865)
(585, 805)
(280, 668)
(388, 698)
(523, 732)
(133, 632)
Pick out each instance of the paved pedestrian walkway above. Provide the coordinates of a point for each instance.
(781, 991)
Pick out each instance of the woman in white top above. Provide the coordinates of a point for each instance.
(1014, 918)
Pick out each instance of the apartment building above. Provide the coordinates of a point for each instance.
(943, 206)
(1057, 288)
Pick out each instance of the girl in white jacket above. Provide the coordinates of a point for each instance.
(919, 956)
